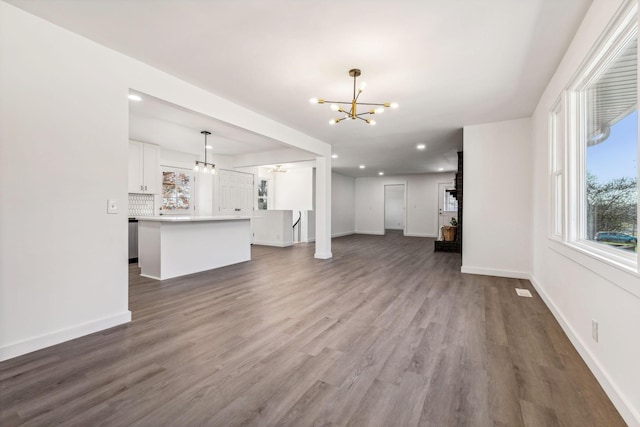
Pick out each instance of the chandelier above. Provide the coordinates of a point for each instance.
(204, 166)
(278, 169)
(352, 113)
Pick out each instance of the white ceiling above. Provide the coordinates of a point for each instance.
(159, 122)
(448, 63)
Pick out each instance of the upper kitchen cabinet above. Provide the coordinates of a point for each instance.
(143, 168)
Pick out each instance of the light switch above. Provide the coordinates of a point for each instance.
(112, 207)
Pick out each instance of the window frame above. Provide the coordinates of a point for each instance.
(567, 147)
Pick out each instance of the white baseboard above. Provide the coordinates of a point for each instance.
(57, 337)
(376, 233)
(276, 244)
(499, 273)
(622, 404)
(323, 255)
(342, 234)
(420, 235)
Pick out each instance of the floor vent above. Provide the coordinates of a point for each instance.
(523, 293)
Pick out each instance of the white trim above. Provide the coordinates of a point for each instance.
(376, 233)
(420, 235)
(498, 273)
(619, 400)
(60, 336)
(319, 255)
(342, 234)
(276, 244)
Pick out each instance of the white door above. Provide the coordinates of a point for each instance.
(447, 205)
(236, 192)
(394, 211)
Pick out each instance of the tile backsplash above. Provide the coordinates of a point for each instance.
(140, 205)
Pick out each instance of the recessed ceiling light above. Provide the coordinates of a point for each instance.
(134, 97)
(380, 173)
(209, 147)
(440, 169)
(421, 146)
(334, 156)
(361, 166)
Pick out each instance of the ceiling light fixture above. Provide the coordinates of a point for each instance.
(380, 173)
(204, 166)
(361, 166)
(421, 146)
(352, 113)
(134, 97)
(278, 169)
(334, 156)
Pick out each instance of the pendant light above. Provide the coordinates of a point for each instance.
(204, 166)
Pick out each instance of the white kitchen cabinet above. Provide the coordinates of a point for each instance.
(144, 177)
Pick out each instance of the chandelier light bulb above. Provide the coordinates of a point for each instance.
(394, 105)
(371, 122)
(379, 110)
(335, 107)
(313, 100)
(362, 86)
(333, 121)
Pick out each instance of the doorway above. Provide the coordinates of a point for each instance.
(394, 207)
(447, 205)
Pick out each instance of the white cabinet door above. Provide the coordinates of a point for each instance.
(151, 178)
(144, 177)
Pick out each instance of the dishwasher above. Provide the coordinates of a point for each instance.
(133, 240)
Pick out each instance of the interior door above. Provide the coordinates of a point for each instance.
(236, 192)
(447, 205)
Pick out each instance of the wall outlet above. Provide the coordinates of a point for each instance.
(594, 330)
(112, 207)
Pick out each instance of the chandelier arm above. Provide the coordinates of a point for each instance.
(362, 114)
(338, 102)
(370, 103)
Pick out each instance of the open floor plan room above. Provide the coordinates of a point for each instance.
(387, 333)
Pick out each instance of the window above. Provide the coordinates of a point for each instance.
(176, 191)
(450, 202)
(263, 194)
(593, 147)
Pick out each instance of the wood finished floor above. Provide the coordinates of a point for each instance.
(387, 333)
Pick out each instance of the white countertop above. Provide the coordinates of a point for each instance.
(180, 218)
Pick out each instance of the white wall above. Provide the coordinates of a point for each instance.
(63, 260)
(272, 228)
(497, 199)
(580, 288)
(293, 190)
(422, 203)
(394, 207)
(343, 205)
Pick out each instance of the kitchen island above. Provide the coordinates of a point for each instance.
(172, 246)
